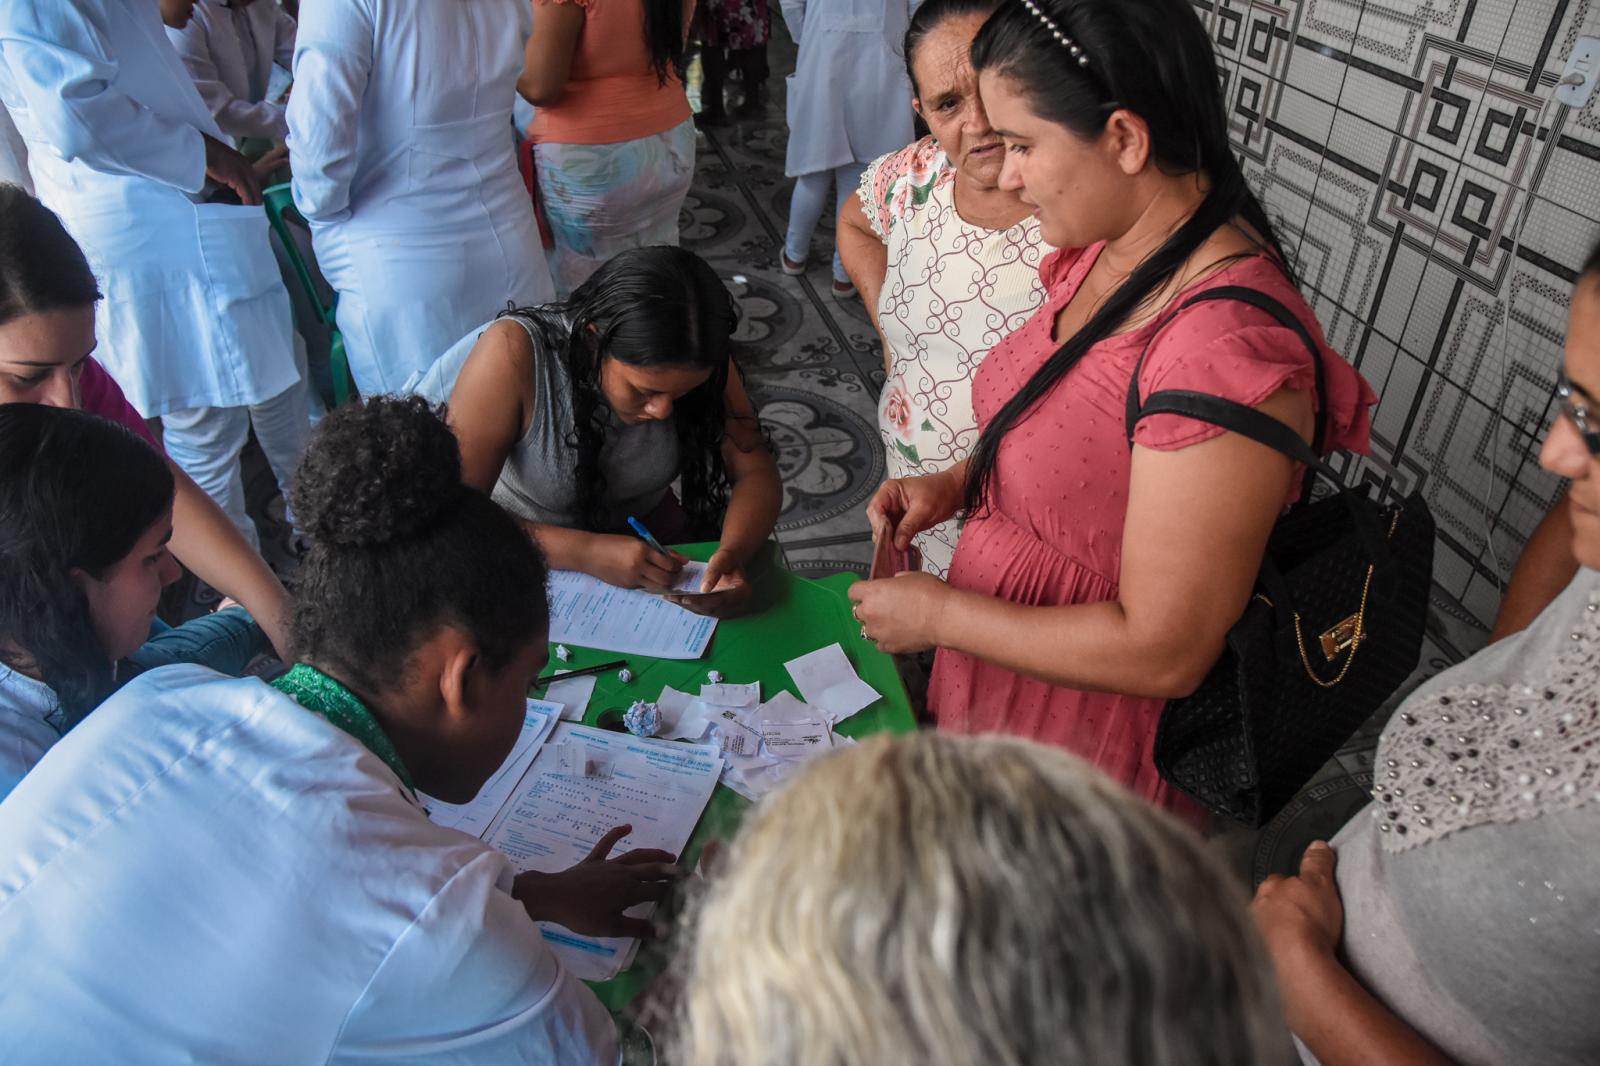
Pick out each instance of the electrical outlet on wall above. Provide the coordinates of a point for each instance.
(1585, 63)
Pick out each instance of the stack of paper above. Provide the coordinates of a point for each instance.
(474, 816)
(774, 740)
(565, 806)
(761, 744)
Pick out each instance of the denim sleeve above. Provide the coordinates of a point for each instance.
(225, 641)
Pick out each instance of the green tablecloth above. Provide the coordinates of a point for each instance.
(791, 616)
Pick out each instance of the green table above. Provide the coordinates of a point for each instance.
(791, 616)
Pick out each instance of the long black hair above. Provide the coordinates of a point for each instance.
(658, 306)
(1153, 58)
(77, 492)
(925, 19)
(41, 266)
(400, 546)
(664, 38)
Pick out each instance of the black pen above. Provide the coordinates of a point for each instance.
(585, 672)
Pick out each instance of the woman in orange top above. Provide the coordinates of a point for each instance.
(613, 135)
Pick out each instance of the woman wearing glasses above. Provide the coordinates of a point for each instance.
(1459, 921)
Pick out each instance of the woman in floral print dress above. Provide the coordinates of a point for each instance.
(947, 261)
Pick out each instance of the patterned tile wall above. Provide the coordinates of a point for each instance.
(1399, 144)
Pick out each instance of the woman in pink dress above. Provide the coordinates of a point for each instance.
(1094, 581)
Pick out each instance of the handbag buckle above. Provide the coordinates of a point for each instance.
(1342, 637)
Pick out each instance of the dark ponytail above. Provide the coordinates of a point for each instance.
(657, 306)
(1151, 57)
(664, 37)
(77, 492)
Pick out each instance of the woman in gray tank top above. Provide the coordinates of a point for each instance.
(579, 414)
(1457, 918)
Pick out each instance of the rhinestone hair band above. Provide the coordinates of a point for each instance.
(1056, 32)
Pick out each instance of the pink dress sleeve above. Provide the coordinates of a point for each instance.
(99, 394)
(894, 184)
(1235, 351)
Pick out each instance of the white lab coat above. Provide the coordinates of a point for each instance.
(849, 98)
(195, 313)
(230, 52)
(13, 153)
(405, 165)
(204, 871)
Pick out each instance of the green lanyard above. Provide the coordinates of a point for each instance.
(321, 694)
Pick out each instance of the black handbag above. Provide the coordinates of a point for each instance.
(1334, 625)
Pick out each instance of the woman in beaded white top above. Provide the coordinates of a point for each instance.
(1462, 921)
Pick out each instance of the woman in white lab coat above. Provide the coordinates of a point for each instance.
(13, 153)
(230, 48)
(212, 870)
(195, 323)
(404, 164)
(849, 103)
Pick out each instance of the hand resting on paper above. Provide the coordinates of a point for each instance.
(724, 591)
(630, 563)
(589, 898)
(905, 506)
(902, 613)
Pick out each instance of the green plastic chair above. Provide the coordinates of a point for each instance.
(280, 207)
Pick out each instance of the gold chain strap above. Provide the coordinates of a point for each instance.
(1356, 637)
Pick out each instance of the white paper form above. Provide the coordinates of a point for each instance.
(476, 815)
(592, 614)
(827, 680)
(658, 787)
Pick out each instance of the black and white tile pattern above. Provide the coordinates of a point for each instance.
(1401, 146)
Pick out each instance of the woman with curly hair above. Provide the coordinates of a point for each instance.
(580, 414)
(216, 869)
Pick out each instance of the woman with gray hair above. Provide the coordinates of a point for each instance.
(931, 900)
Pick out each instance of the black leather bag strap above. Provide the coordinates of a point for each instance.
(1263, 429)
(1261, 301)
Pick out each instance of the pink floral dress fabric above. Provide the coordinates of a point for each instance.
(1053, 533)
(951, 293)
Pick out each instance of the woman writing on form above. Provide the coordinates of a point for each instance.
(581, 414)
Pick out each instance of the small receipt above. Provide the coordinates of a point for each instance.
(826, 680)
(732, 695)
(736, 741)
(797, 739)
(690, 578)
(573, 695)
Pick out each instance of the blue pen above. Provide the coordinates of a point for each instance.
(649, 538)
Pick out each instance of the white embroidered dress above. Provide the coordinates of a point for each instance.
(952, 291)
